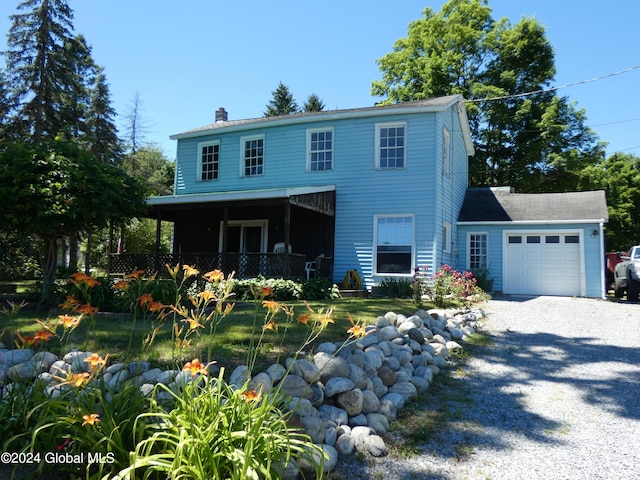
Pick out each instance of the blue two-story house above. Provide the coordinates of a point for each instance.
(378, 190)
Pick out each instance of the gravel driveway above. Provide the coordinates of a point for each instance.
(555, 396)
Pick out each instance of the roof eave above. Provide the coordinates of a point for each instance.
(397, 109)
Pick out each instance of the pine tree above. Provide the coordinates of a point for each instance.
(282, 102)
(102, 134)
(313, 104)
(37, 66)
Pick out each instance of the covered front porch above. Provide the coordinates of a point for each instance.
(282, 233)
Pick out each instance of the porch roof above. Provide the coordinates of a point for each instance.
(311, 197)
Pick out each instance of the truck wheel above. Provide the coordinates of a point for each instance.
(618, 291)
(633, 290)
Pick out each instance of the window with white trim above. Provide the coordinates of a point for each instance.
(252, 156)
(209, 160)
(394, 244)
(446, 151)
(391, 145)
(478, 251)
(320, 150)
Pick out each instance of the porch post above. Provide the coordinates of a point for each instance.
(287, 227)
(156, 260)
(225, 228)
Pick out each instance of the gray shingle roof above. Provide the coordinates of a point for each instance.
(431, 104)
(496, 205)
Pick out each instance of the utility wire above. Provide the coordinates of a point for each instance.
(553, 89)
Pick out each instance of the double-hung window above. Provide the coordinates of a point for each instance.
(478, 253)
(391, 145)
(394, 244)
(252, 159)
(209, 160)
(320, 150)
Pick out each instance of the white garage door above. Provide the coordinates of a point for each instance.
(543, 263)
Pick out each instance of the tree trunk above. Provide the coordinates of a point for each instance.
(49, 263)
(73, 252)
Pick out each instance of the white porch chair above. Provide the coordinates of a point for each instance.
(313, 266)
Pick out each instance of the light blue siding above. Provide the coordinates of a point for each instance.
(591, 248)
(362, 191)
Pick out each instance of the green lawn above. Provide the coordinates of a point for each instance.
(121, 336)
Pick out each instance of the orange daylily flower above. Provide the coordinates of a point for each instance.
(80, 277)
(195, 366)
(95, 361)
(145, 299)
(266, 291)
(156, 307)
(68, 321)
(214, 276)
(136, 274)
(270, 325)
(193, 323)
(74, 379)
(189, 271)
(121, 285)
(304, 318)
(87, 309)
(42, 336)
(358, 331)
(271, 305)
(90, 419)
(207, 296)
(26, 341)
(251, 396)
(71, 303)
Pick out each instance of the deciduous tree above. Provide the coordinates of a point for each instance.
(524, 134)
(56, 189)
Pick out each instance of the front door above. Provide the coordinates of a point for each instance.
(247, 239)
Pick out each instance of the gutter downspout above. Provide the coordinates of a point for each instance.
(603, 279)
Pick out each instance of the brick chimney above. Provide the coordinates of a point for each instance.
(221, 115)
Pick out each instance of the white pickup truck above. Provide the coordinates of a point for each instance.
(627, 274)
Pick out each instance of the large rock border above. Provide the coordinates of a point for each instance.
(344, 396)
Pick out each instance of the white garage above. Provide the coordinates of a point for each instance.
(535, 243)
(543, 263)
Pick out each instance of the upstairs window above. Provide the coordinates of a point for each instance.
(390, 145)
(394, 244)
(320, 150)
(252, 156)
(209, 160)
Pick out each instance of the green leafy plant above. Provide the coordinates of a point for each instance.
(82, 415)
(215, 431)
(395, 287)
(449, 285)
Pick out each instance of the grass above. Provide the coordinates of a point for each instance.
(112, 333)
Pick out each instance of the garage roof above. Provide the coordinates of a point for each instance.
(502, 205)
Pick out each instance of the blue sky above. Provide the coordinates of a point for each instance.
(185, 59)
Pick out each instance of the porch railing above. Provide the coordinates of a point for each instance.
(246, 265)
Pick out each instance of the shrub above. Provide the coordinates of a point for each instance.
(450, 284)
(395, 288)
(320, 289)
(283, 290)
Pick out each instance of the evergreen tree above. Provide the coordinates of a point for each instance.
(282, 102)
(102, 134)
(535, 142)
(37, 65)
(313, 104)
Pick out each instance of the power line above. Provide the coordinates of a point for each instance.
(553, 89)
